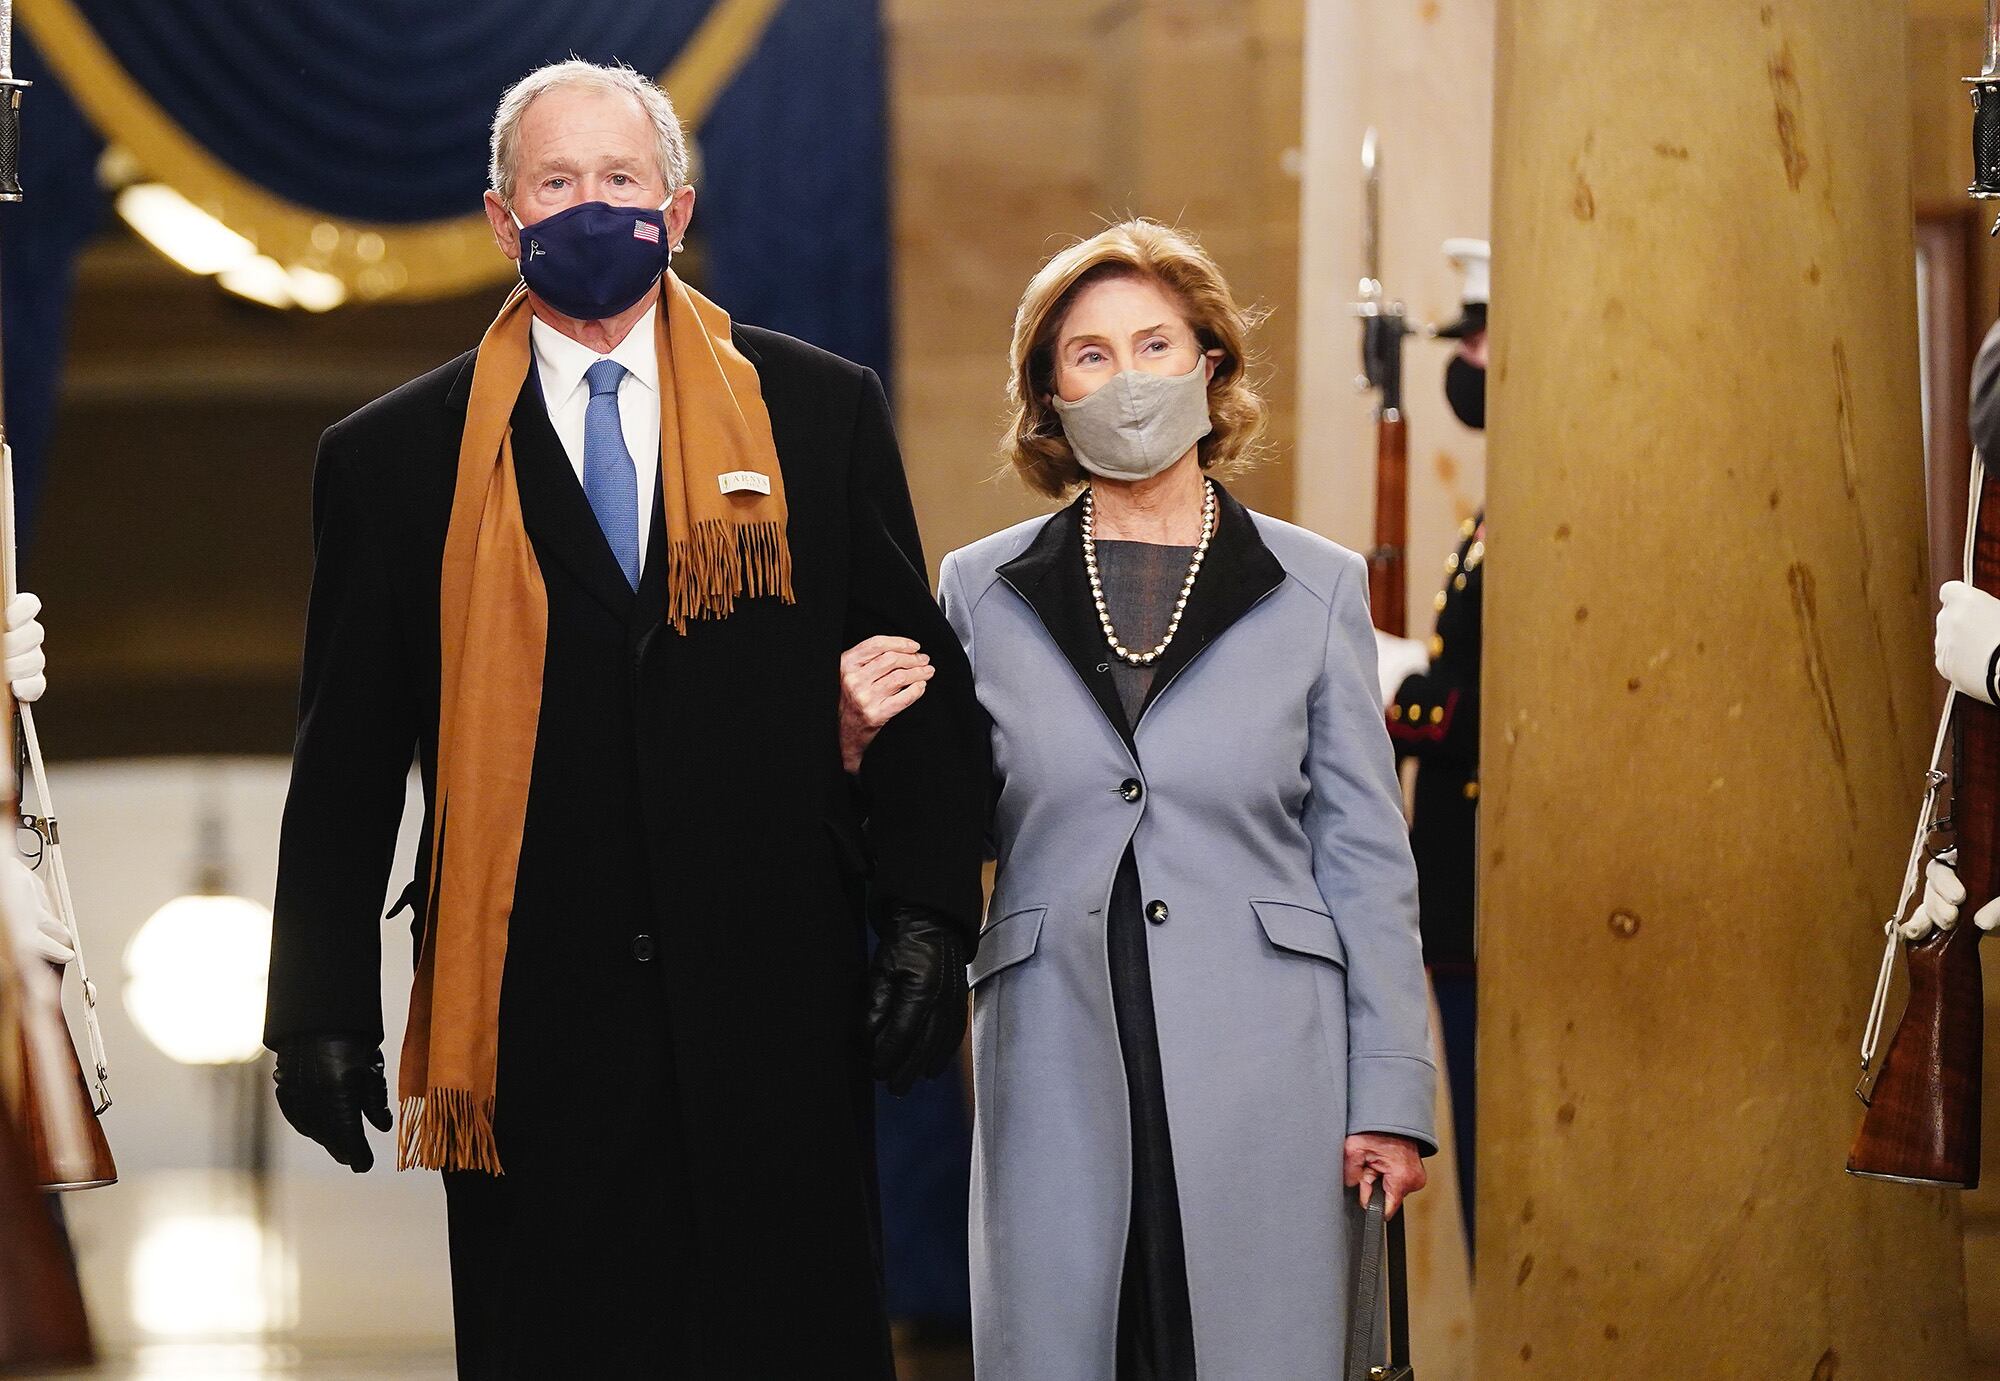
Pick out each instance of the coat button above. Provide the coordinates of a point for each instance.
(1130, 789)
(642, 948)
(1156, 912)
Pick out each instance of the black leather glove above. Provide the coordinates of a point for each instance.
(326, 1085)
(916, 997)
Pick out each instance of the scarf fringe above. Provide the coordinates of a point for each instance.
(720, 561)
(447, 1129)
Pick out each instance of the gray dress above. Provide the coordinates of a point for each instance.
(1141, 581)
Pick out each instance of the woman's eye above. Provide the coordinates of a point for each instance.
(1156, 345)
(1090, 357)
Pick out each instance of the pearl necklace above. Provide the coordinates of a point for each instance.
(1126, 654)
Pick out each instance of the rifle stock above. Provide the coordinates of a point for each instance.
(1922, 1124)
(42, 1322)
(1386, 584)
(65, 1139)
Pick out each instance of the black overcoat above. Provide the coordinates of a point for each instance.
(683, 1109)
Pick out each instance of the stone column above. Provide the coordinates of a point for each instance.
(1707, 695)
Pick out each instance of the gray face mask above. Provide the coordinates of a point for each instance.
(1137, 424)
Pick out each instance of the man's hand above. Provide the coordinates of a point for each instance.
(326, 1085)
(21, 647)
(1393, 1160)
(1943, 895)
(879, 679)
(916, 997)
(1968, 631)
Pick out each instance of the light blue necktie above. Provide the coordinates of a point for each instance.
(609, 481)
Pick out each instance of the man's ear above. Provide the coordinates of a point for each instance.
(504, 233)
(680, 211)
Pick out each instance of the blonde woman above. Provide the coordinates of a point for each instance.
(1198, 1000)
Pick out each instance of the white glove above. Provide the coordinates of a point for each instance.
(21, 646)
(1396, 661)
(30, 920)
(1943, 895)
(1968, 630)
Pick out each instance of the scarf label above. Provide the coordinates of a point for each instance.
(737, 481)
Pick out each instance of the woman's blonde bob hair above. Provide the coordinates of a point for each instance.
(1036, 446)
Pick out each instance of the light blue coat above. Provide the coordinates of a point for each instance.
(1287, 976)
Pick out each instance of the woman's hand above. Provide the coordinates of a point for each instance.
(1394, 1160)
(879, 679)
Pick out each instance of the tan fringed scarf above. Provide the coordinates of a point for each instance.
(493, 635)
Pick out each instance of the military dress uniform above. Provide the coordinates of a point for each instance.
(1435, 719)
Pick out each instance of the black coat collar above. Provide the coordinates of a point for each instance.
(1238, 571)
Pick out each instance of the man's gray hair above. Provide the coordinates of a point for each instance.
(575, 72)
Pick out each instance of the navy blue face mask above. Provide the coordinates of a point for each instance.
(595, 260)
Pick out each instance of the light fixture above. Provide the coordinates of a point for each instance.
(195, 972)
(182, 231)
(314, 289)
(200, 243)
(259, 278)
(194, 979)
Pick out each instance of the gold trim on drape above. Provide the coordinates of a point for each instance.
(411, 261)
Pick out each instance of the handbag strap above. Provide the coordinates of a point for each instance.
(1380, 1266)
(1399, 1294)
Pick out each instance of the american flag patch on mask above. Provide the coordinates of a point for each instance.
(646, 230)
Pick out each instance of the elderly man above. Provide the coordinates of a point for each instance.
(596, 575)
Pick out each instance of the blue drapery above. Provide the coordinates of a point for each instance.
(39, 241)
(376, 110)
(372, 110)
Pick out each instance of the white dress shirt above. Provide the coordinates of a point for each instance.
(561, 362)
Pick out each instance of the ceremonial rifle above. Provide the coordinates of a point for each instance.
(1384, 324)
(59, 1112)
(1922, 1123)
(42, 1322)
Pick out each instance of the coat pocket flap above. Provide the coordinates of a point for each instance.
(1301, 929)
(1005, 942)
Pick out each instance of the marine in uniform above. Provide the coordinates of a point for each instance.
(1434, 719)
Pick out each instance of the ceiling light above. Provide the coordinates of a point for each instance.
(182, 231)
(261, 279)
(195, 977)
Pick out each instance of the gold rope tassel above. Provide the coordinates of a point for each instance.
(447, 1129)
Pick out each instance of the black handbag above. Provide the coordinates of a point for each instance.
(1378, 1305)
